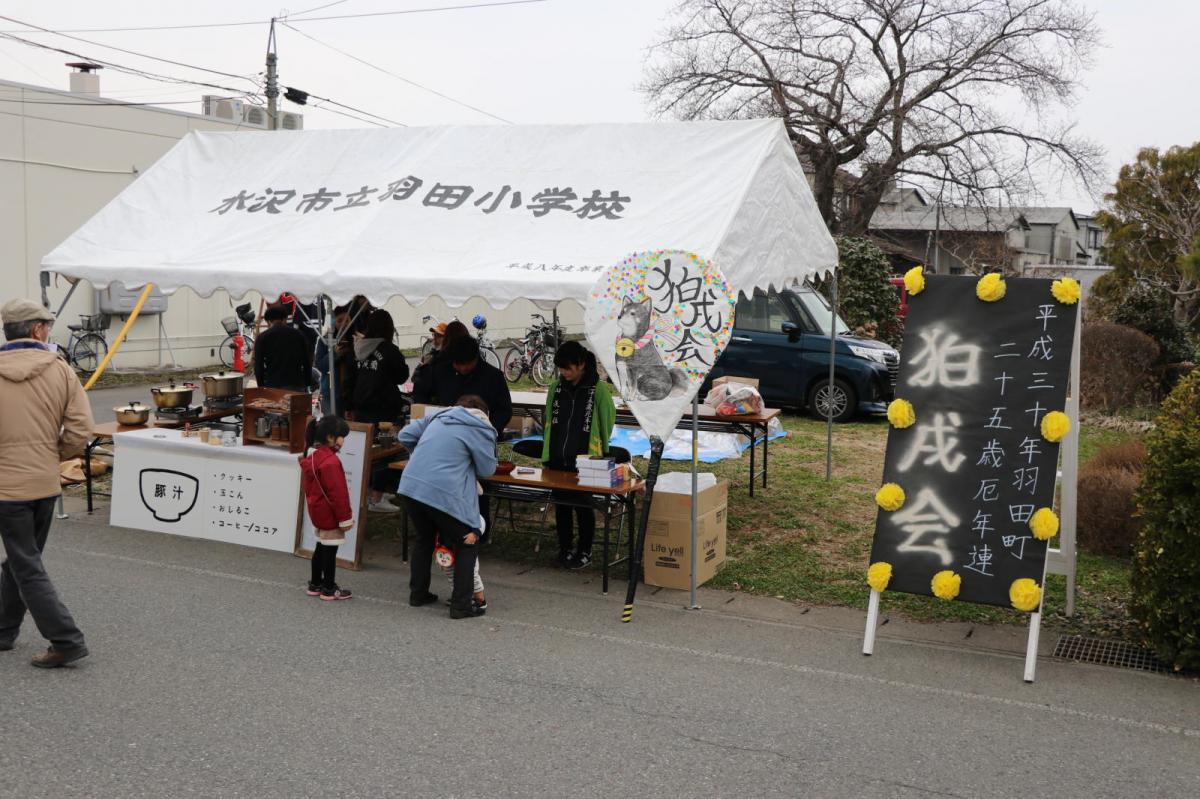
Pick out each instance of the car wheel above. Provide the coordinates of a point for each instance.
(842, 398)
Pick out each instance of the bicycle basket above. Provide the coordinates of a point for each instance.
(94, 323)
(230, 324)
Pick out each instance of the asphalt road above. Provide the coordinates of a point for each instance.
(212, 674)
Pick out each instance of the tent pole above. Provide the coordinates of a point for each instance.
(695, 484)
(639, 539)
(331, 343)
(554, 317)
(829, 405)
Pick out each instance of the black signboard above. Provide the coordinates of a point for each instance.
(975, 466)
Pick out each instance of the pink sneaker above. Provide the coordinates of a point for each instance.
(336, 594)
(313, 589)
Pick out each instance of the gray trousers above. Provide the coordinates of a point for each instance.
(24, 584)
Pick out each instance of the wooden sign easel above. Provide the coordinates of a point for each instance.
(1058, 561)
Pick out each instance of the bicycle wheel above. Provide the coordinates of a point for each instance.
(225, 352)
(489, 355)
(88, 351)
(542, 370)
(514, 364)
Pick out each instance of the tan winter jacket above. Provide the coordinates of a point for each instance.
(45, 419)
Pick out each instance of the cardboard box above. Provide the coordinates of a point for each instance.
(520, 426)
(420, 410)
(667, 555)
(745, 381)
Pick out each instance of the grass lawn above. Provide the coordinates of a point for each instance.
(807, 540)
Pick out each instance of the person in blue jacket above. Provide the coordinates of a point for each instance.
(448, 453)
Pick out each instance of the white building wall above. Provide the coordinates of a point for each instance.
(63, 158)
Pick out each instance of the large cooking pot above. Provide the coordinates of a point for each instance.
(222, 385)
(134, 413)
(172, 396)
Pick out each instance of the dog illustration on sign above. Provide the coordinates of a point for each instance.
(641, 372)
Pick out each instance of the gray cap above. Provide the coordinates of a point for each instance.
(24, 311)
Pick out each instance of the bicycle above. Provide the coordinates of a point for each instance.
(534, 354)
(487, 349)
(87, 345)
(240, 324)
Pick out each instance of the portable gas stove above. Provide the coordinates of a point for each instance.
(180, 414)
(222, 403)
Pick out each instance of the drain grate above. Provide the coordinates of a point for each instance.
(1108, 653)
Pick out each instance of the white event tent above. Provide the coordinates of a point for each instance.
(496, 212)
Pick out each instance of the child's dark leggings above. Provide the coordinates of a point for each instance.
(324, 564)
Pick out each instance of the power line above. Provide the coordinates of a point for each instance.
(120, 68)
(128, 52)
(421, 10)
(356, 110)
(319, 8)
(109, 102)
(265, 21)
(398, 77)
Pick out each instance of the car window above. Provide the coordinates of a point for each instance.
(815, 311)
(763, 313)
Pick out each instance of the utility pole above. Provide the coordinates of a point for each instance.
(937, 235)
(272, 82)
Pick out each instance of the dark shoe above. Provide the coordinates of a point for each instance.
(6, 646)
(479, 608)
(564, 559)
(417, 600)
(313, 589)
(459, 613)
(53, 658)
(334, 594)
(581, 560)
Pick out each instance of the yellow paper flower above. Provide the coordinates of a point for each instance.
(901, 414)
(991, 287)
(625, 347)
(946, 584)
(1025, 594)
(1044, 524)
(914, 280)
(1066, 290)
(879, 575)
(889, 496)
(1055, 425)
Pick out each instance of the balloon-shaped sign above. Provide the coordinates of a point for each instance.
(658, 321)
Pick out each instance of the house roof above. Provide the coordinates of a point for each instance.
(950, 218)
(1051, 215)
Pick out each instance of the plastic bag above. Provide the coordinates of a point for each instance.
(734, 399)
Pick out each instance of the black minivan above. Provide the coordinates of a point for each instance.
(782, 338)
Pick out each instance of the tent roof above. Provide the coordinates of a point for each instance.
(538, 220)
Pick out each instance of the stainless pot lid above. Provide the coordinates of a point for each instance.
(223, 376)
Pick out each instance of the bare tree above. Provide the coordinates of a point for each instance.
(886, 88)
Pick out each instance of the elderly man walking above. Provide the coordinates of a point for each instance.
(44, 420)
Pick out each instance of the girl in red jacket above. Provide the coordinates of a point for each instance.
(328, 500)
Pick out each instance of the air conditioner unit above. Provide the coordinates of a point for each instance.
(255, 115)
(290, 121)
(222, 107)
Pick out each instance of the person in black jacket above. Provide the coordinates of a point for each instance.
(463, 372)
(373, 394)
(282, 357)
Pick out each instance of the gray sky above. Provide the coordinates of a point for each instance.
(559, 61)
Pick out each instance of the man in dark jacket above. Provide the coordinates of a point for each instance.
(373, 394)
(463, 372)
(282, 357)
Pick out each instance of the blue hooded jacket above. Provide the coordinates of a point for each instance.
(449, 451)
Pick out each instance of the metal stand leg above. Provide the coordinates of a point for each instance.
(162, 336)
(766, 444)
(752, 460)
(607, 530)
(872, 623)
(59, 512)
(1031, 646)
